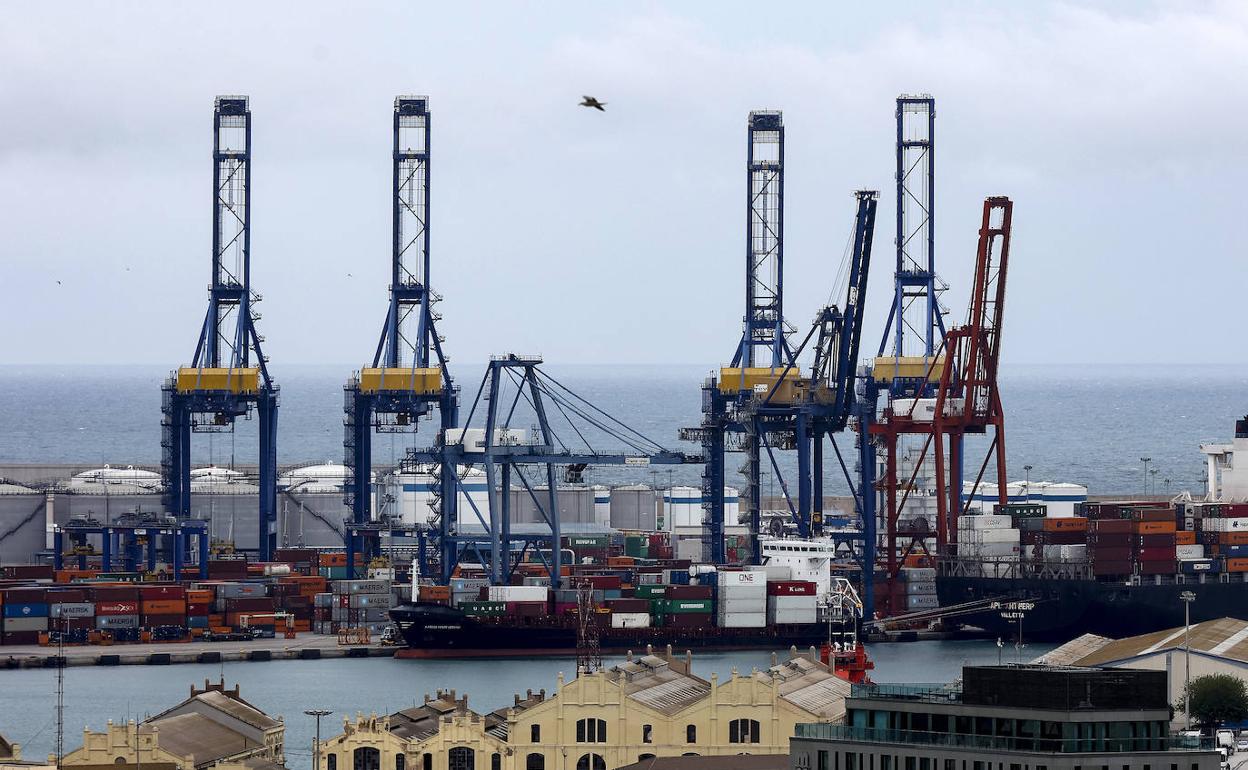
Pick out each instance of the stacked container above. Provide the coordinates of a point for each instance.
(25, 615)
(742, 601)
(920, 585)
(989, 538)
(791, 601)
(361, 604)
(688, 606)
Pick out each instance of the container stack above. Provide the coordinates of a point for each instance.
(920, 588)
(25, 612)
(361, 604)
(1222, 532)
(117, 610)
(162, 608)
(990, 539)
(742, 601)
(791, 601)
(688, 606)
(1153, 545)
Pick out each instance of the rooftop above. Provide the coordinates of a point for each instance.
(1225, 638)
(737, 762)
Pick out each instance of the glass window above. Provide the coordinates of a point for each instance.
(851, 761)
(331, 761)
(535, 733)
(461, 758)
(426, 762)
(366, 758)
(591, 762)
(647, 734)
(951, 764)
(886, 762)
(496, 761)
(910, 763)
(591, 731)
(535, 761)
(925, 763)
(400, 762)
(821, 761)
(691, 733)
(746, 731)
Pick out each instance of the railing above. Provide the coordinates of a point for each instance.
(831, 732)
(928, 693)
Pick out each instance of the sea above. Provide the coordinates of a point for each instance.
(350, 686)
(1081, 423)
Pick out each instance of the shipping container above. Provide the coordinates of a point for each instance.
(116, 608)
(162, 607)
(689, 592)
(683, 606)
(116, 621)
(30, 623)
(518, 593)
(361, 586)
(630, 620)
(72, 610)
(743, 620)
(790, 588)
(24, 609)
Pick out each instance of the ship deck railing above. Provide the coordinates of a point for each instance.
(849, 733)
(1031, 569)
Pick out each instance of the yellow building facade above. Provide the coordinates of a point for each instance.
(651, 706)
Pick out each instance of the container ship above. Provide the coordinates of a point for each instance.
(1117, 568)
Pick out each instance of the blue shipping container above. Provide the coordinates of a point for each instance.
(1190, 566)
(26, 610)
(196, 621)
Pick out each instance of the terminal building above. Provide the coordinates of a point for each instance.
(1007, 718)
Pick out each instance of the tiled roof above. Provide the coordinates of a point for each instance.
(1224, 638)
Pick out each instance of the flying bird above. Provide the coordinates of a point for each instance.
(590, 101)
(58, 283)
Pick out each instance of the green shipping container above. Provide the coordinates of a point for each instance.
(636, 545)
(650, 591)
(687, 606)
(586, 541)
(483, 608)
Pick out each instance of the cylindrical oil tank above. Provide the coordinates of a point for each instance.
(413, 494)
(732, 504)
(602, 505)
(682, 507)
(231, 508)
(23, 523)
(128, 475)
(310, 517)
(634, 507)
(576, 505)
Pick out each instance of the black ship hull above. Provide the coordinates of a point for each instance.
(438, 631)
(1064, 609)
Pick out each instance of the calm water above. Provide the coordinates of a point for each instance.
(287, 688)
(1078, 423)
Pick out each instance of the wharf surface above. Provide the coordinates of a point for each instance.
(303, 647)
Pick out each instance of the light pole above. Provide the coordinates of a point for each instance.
(1153, 475)
(1027, 477)
(1188, 597)
(1146, 461)
(317, 714)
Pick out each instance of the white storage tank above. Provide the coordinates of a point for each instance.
(129, 475)
(325, 477)
(576, 504)
(682, 507)
(634, 507)
(602, 505)
(413, 494)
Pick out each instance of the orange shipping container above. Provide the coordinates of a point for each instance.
(1233, 538)
(1237, 565)
(1154, 527)
(199, 596)
(1184, 537)
(163, 607)
(434, 593)
(1066, 524)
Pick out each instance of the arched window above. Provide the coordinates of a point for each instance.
(366, 758)
(591, 731)
(591, 762)
(461, 758)
(647, 734)
(400, 761)
(743, 731)
(426, 762)
(496, 761)
(691, 733)
(535, 761)
(331, 761)
(535, 733)
(644, 757)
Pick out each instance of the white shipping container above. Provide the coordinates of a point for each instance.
(630, 620)
(793, 616)
(773, 571)
(984, 521)
(731, 579)
(989, 550)
(729, 606)
(1072, 552)
(918, 573)
(791, 603)
(518, 593)
(1237, 524)
(743, 620)
(922, 602)
(1008, 535)
(1189, 551)
(341, 587)
(743, 592)
(72, 610)
(920, 587)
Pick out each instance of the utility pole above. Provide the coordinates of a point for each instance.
(1146, 461)
(316, 751)
(1188, 597)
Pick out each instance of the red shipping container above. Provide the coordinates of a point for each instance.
(628, 605)
(1156, 568)
(689, 592)
(1062, 538)
(526, 609)
(75, 624)
(1149, 514)
(1104, 526)
(604, 582)
(162, 607)
(116, 608)
(790, 588)
(115, 594)
(1111, 539)
(162, 620)
(1157, 554)
(249, 604)
(162, 591)
(28, 572)
(25, 596)
(67, 595)
(1112, 568)
(1111, 554)
(199, 608)
(20, 637)
(1154, 541)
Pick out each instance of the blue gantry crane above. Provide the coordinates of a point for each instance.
(516, 391)
(762, 402)
(409, 375)
(228, 377)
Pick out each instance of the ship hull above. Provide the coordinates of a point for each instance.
(438, 631)
(1064, 609)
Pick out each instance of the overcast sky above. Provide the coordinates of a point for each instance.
(617, 237)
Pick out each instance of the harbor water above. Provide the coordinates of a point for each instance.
(95, 694)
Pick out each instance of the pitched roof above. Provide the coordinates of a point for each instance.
(228, 703)
(198, 736)
(662, 684)
(809, 686)
(730, 762)
(1224, 638)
